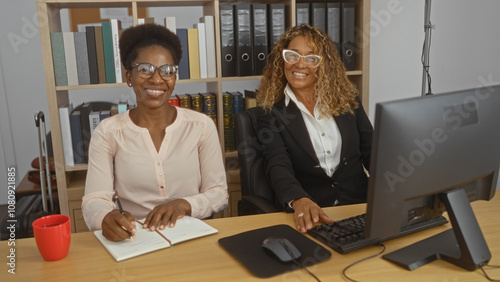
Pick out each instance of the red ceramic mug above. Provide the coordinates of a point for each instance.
(53, 236)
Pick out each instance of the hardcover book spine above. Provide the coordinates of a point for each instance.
(77, 138)
(64, 118)
(194, 55)
(107, 43)
(174, 101)
(184, 63)
(210, 106)
(237, 102)
(115, 37)
(82, 59)
(99, 48)
(227, 106)
(92, 54)
(58, 58)
(197, 102)
(210, 39)
(184, 101)
(69, 53)
(85, 125)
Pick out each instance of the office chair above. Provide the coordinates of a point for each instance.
(257, 195)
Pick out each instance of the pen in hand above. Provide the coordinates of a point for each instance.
(117, 200)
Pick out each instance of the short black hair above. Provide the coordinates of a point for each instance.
(145, 35)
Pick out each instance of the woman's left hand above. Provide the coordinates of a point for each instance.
(168, 212)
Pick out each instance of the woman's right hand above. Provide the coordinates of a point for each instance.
(114, 223)
(307, 214)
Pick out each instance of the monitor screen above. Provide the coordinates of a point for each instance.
(433, 154)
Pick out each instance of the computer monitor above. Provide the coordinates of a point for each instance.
(429, 155)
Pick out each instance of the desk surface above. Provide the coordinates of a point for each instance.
(204, 260)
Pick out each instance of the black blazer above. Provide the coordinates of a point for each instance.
(293, 167)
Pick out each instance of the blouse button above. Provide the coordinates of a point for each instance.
(160, 174)
(328, 152)
(323, 134)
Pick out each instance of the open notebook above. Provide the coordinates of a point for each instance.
(147, 241)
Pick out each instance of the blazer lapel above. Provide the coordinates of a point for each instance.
(292, 120)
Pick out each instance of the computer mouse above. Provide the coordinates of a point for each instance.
(281, 248)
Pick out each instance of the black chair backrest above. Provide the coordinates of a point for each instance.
(252, 167)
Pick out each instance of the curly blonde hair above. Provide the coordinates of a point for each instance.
(334, 93)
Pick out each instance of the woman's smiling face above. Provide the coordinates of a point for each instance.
(155, 91)
(298, 75)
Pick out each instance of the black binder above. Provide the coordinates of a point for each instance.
(260, 37)
(302, 13)
(333, 23)
(276, 22)
(348, 35)
(318, 15)
(243, 39)
(227, 40)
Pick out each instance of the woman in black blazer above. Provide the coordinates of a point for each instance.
(315, 133)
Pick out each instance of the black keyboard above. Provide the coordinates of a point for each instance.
(346, 235)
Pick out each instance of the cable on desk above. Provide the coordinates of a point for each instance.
(361, 260)
(481, 266)
(302, 266)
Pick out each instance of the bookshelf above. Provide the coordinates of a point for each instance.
(71, 179)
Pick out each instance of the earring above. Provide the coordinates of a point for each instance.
(129, 84)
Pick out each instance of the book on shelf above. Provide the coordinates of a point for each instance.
(193, 53)
(116, 26)
(210, 42)
(184, 63)
(228, 115)
(77, 138)
(174, 100)
(250, 100)
(94, 119)
(170, 24)
(70, 56)
(104, 114)
(92, 54)
(99, 49)
(197, 102)
(64, 120)
(184, 100)
(58, 58)
(202, 49)
(146, 241)
(85, 110)
(238, 104)
(210, 105)
(107, 43)
(82, 58)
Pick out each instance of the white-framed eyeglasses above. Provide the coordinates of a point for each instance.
(146, 70)
(293, 57)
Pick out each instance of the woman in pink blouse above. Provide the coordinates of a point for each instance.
(164, 162)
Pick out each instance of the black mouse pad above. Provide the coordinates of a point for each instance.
(247, 248)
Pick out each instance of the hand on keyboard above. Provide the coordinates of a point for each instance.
(307, 214)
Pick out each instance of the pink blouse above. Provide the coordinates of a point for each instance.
(122, 157)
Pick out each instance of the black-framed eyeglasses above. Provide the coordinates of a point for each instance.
(293, 57)
(146, 70)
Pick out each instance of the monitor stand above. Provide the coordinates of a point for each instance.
(463, 245)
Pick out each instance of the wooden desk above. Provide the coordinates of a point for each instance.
(204, 260)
